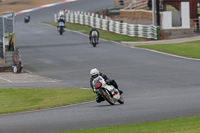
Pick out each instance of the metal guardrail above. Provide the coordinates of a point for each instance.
(100, 22)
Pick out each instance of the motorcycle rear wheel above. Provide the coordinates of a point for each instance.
(107, 96)
(94, 43)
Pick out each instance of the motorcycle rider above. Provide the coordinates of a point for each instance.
(62, 15)
(94, 31)
(61, 23)
(61, 19)
(27, 18)
(95, 73)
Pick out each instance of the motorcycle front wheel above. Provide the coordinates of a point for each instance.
(121, 100)
(107, 96)
(61, 32)
(94, 42)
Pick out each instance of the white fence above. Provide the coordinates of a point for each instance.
(100, 22)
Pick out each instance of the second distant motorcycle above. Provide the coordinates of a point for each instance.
(61, 26)
(94, 37)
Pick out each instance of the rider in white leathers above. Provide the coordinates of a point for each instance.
(95, 73)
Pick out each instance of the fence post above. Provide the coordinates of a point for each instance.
(74, 17)
(128, 30)
(108, 24)
(55, 18)
(136, 30)
(101, 23)
(79, 20)
(89, 23)
(145, 31)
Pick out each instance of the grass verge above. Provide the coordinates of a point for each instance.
(103, 34)
(16, 100)
(186, 49)
(182, 125)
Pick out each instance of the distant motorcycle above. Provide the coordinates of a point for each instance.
(27, 19)
(60, 27)
(108, 92)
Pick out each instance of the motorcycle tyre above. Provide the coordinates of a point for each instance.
(61, 32)
(94, 42)
(121, 100)
(107, 96)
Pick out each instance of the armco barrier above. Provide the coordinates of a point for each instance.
(100, 22)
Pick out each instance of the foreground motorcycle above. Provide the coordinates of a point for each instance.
(108, 92)
(94, 40)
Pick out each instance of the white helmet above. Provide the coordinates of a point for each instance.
(94, 72)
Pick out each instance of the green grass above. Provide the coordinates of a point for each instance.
(171, 8)
(186, 49)
(103, 34)
(198, 9)
(182, 125)
(16, 100)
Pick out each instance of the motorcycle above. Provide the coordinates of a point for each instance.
(27, 19)
(60, 29)
(108, 92)
(94, 40)
(61, 26)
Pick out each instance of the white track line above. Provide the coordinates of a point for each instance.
(182, 57)
(6, 80)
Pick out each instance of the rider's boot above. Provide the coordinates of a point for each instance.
(99, 98)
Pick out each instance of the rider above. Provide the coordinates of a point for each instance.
(61, 19)
(27, 18)
(61, 22)
(94, 31)
(95, 73)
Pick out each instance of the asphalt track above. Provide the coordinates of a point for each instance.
(156, 86)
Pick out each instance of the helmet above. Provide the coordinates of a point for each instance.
(94, 73)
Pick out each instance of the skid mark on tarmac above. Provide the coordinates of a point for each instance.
(9, 77)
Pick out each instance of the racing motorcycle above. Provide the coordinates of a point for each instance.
(108, 92)
(61, 26)
(94, 40)
(27, 19)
